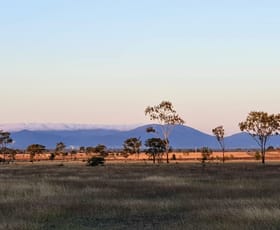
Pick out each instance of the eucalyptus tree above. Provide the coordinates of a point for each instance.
(35, 149)
(219, 132)
(167, 117)
(5, 139)
(101, 149)
(261, 126)
(132, 145)
(60, 149)
(155, 147)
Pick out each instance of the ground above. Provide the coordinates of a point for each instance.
(139, 196)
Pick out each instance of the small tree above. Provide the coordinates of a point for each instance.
(5, 139)
(35, 149)
(167, 117)
(102, 150)
(156, 147)
(132, 145)
(60, 148)
(205, 155)
(219, 132)
(90, 149)
(261, 126)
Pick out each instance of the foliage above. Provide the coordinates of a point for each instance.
(82, 149)
(150, 130)
(205, 155)
(60, 148)
(90, 149)
(101, 149)
(261, 126)
(132, 145)
(52, 156)
(5, 139)
(258, 155)
(95, 161)
(219, 132)
(156, 147)
(167, 117)
(35, 149)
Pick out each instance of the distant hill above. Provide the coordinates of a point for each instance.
(181, 137)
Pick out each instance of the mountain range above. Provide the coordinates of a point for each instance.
(182, 137)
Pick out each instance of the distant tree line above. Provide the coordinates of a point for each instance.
(261, 126)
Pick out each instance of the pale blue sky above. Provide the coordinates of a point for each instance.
(104, 61)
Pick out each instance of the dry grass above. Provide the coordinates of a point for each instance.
(135, 196)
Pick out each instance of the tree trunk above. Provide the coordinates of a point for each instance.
(263, 156)
(167, 151)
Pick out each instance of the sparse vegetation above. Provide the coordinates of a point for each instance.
(261, 126)
(205, 155)
(167, 117)
(219, 132)
(132, 196)
(132, 146)
(95, 161)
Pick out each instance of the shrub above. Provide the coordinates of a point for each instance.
(95, 161)
(257, 155)
(205, 155)
(52, 156)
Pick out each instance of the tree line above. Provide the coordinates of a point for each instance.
(260, 125)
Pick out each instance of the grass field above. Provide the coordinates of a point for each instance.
(140, 196)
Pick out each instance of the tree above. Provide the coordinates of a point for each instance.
(132, 145)
(156, 147)
(90, 149)
(261, 126)
(60, 149)
(5, 139)
(101, 149)
(167, 117)
(219, 132)
(35, 149)
(205, 155)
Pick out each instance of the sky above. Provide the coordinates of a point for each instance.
(104, 62)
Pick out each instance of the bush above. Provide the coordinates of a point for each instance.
(52, 156)
(257, 155)
(205, 155)
(95, 161)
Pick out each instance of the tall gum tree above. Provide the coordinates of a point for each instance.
(261, 126)
(167, 117)
(219, 132)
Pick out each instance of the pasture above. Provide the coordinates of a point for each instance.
(139, 196)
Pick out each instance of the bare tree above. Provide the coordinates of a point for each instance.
(261, 126)
(219, 132)
(167, 117)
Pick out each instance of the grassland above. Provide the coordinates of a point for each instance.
(140, 196)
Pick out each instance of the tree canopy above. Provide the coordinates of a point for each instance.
(167, 117)
(261, 126)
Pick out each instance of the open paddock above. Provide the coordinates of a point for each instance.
(230, 156)
(139, 196)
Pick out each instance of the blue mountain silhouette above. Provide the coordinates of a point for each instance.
(182, 137)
